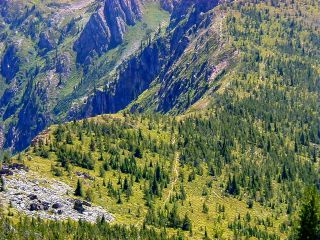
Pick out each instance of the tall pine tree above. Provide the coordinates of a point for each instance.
(309, 221)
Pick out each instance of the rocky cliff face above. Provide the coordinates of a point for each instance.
(10, 63)
(162, 62)
(157, 63)
(132, 80)
(119, 14)
(192, 9)
(39, 75)
(1, 137)
(32, 113)
(106, 28)
(94, 39)
(168, 5)
(47, 41)
(7, 99)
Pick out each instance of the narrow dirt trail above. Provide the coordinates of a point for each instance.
(175, 173)
(215, 193)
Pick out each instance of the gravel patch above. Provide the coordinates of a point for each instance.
(47, 199)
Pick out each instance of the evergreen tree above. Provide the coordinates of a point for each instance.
(119, 201)
(309, 220)
(2, 184)
(205, 208)
(173, 217)
(187, 224)
(79, 191)
(232, 186)
(138, 153)
(92, 145)
(69, 138)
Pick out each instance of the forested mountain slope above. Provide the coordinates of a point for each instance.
(233, 156)
(194, 176)
(55, 51)
(175, 69)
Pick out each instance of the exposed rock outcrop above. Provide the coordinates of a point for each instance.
(105, 28)
(63, 65)
(10, 63)
(94, 39)
(156, 64)
(47, 41)
(168, 5)
(140, 71)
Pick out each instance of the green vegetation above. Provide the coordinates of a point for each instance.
(38, 229)
(309, 218)
(39, 89)
(170, 173)
(235, 170)
(79, 192)
(104, 67)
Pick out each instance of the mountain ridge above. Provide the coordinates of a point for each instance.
(215, 132)
(54, 70)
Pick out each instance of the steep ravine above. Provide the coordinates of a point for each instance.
(133, 79)
(39, 67)
(158, 64)
(106, 28)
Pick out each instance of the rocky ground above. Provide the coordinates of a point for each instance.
(1, 137)
(46, 199)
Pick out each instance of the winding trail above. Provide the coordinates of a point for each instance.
(175, 172)
(214, 192)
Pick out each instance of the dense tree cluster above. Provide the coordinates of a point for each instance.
(38, 229)
(259, 141)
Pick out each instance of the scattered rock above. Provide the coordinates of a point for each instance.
(47, 199)
(45, 206)
(85, 203)
(6, 172)
(78, 206)
(17, 166)
(57, 205)
(34, 207)
(33, 197)
(85, 175)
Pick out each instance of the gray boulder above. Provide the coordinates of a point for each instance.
(34, 207)
(78, 206)
(57, 205)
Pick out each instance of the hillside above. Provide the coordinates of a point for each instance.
(154, 170)
(44, 63)
(214, 134)
(141, 64)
